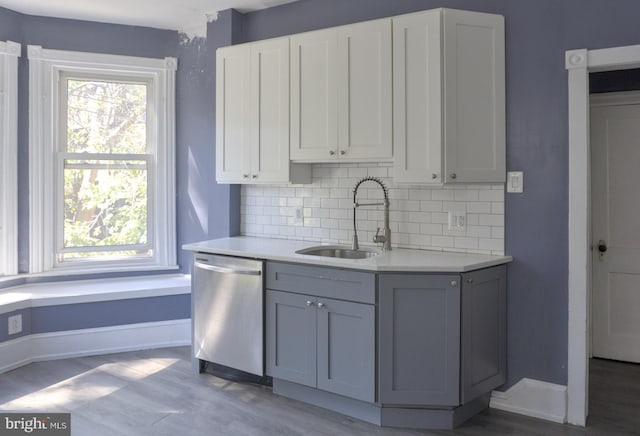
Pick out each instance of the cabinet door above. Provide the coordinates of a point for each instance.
(291, 337)
(417, 98)
(270, 111)
(233, 121)
(419, 330)
(314, 120)
(474, 97)
(364, 90)
(346, 349)
(484, 331)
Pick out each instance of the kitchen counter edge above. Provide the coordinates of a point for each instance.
(396, 260)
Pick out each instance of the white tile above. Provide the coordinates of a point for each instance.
(493, 195)
(491, 244)
(491, 220)
(465, 242)
(465, 195)
(442, 195)
(431, 206)
(419, 217)
(497, 208)
(478, 207)
(479, 231)
(419, 194)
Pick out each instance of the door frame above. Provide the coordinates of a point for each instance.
(579, 63)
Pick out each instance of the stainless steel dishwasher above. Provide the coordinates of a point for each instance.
(228, 312)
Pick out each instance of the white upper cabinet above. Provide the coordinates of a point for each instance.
(314, 95)
(364, 90)
(341, 93)
(233, 115)
(252, 113)
(449, 97)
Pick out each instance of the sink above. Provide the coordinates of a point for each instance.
(340, 251)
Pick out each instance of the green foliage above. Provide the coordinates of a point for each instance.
(106, 200)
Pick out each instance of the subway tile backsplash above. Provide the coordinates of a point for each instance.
(323, 211)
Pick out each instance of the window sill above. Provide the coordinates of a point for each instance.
(24, 295)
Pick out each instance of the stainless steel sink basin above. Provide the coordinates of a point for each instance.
(340, 251)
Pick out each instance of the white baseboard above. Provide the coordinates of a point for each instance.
(533, 398)
(87, 342)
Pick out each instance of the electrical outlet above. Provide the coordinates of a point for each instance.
(15, 324)
(457, 222)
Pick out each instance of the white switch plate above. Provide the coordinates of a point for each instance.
(15, 324)
(457, 221)
(515, 181)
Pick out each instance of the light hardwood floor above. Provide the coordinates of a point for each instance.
(154, 392)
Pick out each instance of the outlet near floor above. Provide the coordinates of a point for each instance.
(15, 324)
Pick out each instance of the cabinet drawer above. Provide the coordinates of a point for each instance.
(322, 282)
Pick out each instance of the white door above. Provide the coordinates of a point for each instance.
(615, 191)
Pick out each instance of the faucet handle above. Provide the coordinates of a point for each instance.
(379, 239)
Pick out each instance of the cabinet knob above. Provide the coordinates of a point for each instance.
(320, 305)
(245, 176)
(331, 152)
(342, 152)
(434, 176)
(453, 175)
(454, 283)
(254, 176)
(309, 303)
(469, 280)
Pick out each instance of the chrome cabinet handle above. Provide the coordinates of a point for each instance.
(245, 176)
(453, 175)
(254, 176)
(309, 303)
(434, 176)
(469, 280)
(320, 305)
(331, 152)
(454, 283)
(342, 152)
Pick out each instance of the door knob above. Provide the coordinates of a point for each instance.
(602, 246)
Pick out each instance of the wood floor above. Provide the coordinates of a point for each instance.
(154, 392)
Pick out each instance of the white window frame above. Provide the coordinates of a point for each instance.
(46, 68)
(9, 54)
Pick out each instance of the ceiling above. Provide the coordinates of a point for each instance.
(188, 16)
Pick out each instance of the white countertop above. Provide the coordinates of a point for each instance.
(398, 259)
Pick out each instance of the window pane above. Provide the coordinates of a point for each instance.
(106, 117)
(105, 204)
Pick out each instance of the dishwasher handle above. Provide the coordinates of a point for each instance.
(225, 270)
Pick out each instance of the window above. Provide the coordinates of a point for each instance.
(101, 162)
(9, 53)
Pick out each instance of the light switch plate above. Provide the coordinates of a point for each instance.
(515, 181)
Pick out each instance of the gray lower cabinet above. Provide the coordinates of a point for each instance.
(484, 332)
(419, 335)
(323, 343)
(442, 338)
(417, 350)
